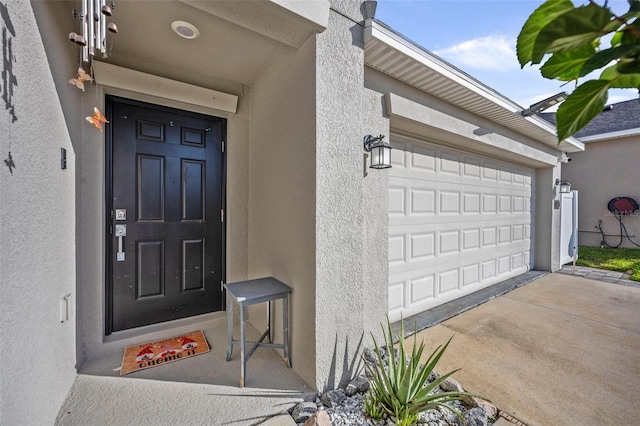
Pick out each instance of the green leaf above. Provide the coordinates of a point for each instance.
(604, 57)
(573, 29)
(566, 66)
(617, 38)
(630, 67)
(629, 33)
(620, 81)
(581, 107)
(544, 14)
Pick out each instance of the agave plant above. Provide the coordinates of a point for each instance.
(403, 390)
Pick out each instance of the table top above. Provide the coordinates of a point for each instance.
(260, 288)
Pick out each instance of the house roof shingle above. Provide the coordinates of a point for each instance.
(614, 118)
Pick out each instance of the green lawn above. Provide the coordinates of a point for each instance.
(612, 259)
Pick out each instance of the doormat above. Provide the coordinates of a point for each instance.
(152, 354)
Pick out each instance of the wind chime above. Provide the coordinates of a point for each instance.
(92, 38)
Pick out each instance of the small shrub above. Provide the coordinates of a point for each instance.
(373, 408)
(402, 390)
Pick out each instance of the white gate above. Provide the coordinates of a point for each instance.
(568, 227)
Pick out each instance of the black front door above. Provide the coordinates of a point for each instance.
(165, 186)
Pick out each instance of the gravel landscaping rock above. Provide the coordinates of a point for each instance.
(348, 410)
(346, 407)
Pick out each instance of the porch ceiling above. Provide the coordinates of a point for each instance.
(394, 55)
(229, 48)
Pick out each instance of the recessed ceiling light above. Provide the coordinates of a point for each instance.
(185, 29)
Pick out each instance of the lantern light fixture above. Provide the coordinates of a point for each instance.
(565, 186)
(380, 151)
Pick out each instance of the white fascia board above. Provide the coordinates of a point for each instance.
(611, 135)
(570, 144)
(376, 30)
(148, 84)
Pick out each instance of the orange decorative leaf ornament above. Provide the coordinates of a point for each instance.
(80, 79)
(97, 119)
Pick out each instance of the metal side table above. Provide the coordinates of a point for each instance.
(246, 293)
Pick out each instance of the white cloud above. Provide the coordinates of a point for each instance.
(492, 53)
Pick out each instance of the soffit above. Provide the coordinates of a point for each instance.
(227, 50)
(394, 55)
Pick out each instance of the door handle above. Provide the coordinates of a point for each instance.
(121, 232)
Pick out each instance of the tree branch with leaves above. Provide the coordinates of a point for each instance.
(569, 40)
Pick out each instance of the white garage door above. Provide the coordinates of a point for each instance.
(458, 222)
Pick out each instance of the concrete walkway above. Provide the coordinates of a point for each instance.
(562, 350)
(202, 390)
(613, 277)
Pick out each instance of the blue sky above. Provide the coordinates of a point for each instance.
(479, 37)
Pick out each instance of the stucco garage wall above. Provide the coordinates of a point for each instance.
(351, 203)
(605, 170)
(37, 234)
(282, 193)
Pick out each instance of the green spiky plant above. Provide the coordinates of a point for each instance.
(402, 390)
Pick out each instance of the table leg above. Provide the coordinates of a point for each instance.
(269, 321)
(285, 329)
(229, 327)
(243, 360)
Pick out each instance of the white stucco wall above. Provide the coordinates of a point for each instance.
(54, 19)
(351, 207)
(605, 170)
(37, 236)
(282, 193)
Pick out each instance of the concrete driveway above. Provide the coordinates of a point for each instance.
(561, 350)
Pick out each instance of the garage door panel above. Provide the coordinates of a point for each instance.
(411, 244)
(471, 274)
(471, 239)
(421, 289)
(458, 222)
(396, 295)
(483, 220)
(414, 262)
(426, 199)
(397, 201)
(509, 261)
(442, 181)
(422, 202)
(471, 203)
(425, 291)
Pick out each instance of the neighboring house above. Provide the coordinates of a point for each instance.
(607, 169)
(239, 154)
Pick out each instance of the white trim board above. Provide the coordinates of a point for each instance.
(148, 84)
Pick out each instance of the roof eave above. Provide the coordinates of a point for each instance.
(477, 97)
(611, 135)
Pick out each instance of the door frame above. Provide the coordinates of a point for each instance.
(108, 202)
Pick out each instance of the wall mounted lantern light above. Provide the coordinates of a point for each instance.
(380, 151)
(544, 104)
(565, 186)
